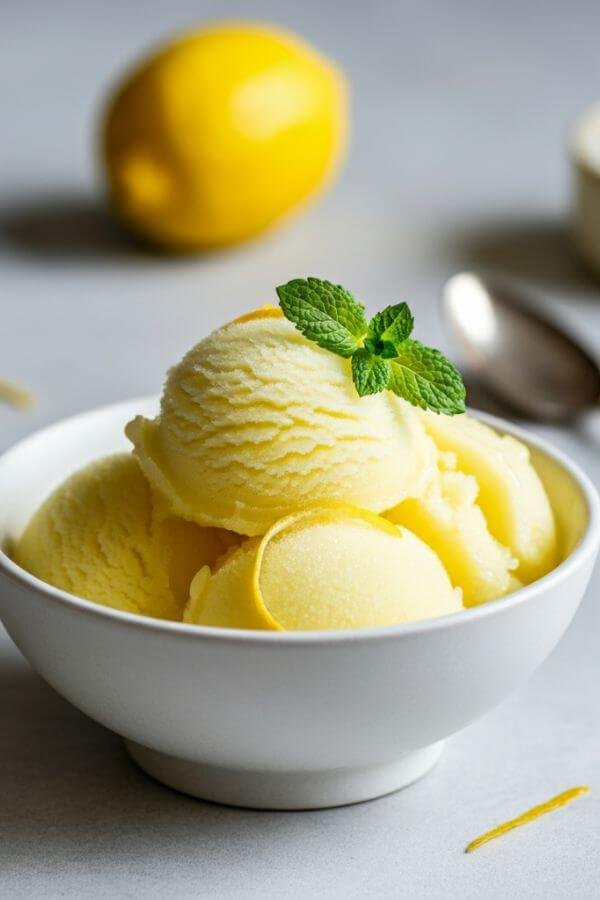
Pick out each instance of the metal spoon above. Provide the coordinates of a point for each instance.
(521, 357)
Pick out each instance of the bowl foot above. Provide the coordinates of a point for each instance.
(284, 790)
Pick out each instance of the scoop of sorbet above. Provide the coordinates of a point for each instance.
(102, 535)
(326, 568)
(257, 423)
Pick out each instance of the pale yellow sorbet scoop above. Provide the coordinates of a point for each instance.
(104, 536)
(257, 423)
(511, 495)
(326, 568)
(448, 518)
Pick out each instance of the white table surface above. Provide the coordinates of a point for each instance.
(457, 161)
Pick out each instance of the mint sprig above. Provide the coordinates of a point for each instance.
(383, 355)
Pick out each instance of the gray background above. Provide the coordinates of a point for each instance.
(458, 160)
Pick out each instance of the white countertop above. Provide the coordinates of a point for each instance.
(458, 161)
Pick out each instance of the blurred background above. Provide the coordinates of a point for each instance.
(458, 160)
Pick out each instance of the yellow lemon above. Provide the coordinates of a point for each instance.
(220, 133)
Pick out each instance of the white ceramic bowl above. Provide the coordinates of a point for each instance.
(292, 720)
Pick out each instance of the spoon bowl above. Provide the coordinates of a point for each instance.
(521, 357)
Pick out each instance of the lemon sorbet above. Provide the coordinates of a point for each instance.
(308, 469)
(103, 535)
(256, 423)
(330, 567)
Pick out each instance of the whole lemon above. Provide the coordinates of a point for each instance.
(220, 133)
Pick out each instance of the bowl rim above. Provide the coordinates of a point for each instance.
(584, 550)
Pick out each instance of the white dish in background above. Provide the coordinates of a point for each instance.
(271, 720)
(585, 158)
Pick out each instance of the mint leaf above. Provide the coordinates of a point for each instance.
(394, 324)
(424, 377)
(325, 313)
(369, 373)
(389, 329)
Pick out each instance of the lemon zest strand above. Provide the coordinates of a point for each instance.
(17, 396)
(534, 813)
